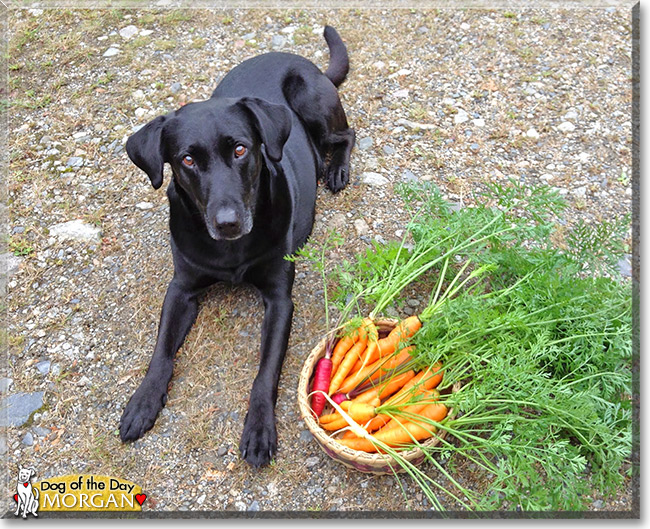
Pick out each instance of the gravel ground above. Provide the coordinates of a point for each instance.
(460, 97)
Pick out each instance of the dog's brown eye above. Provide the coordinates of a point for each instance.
(188, 160)
(240, 150)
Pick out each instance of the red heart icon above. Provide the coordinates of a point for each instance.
(16, 497)
(140, 498)
(25, 484)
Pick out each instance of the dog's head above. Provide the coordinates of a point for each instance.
(217, 150)
(25, 474)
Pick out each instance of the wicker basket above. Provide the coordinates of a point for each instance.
(362, 461)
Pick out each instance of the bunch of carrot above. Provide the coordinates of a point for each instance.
(367, 377)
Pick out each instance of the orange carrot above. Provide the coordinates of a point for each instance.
(423, 399)
(426, 379)
(423, 381)
(404, 433)
(377, 369)
(359, 412)
(382, 419)
(351, 356)
(385, 389)
(346, 365)
(402, 331)
(344, 344)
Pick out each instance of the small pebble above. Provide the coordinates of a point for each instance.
(567, 126)
(5, 384)
(580, 192)
(75, 161)
(277, 41)
(83, 381)
(306, 436)
(43, 367)
(625, 267)
(128, 32)
(461, 117)
(41, 432)
(364, 143)
(408, 176)
(374, 179)
(361, 227)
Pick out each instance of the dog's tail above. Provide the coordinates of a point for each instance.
(339, 63)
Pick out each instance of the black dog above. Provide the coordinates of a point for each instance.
(245, 165)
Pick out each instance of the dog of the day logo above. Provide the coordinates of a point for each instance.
(76, 492)
(26, 494)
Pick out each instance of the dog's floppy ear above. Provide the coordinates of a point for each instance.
(273, 124)
(146, 151)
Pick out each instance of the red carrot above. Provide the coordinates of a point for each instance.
(321, 384)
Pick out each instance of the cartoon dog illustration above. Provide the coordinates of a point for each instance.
(27, 496)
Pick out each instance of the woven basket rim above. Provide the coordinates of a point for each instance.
(353, 457)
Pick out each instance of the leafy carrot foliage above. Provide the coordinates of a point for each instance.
(541, 339)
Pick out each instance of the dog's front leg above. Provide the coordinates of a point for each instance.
(259, 439)
(178, 314)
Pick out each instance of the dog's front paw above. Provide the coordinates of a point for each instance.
(259, 439)
(141, 412)
(337, 177)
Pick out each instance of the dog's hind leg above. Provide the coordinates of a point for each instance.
(178, 314)
(317, 103)
(337, 173)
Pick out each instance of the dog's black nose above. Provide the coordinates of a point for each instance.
(226, 221)
(226, 218)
